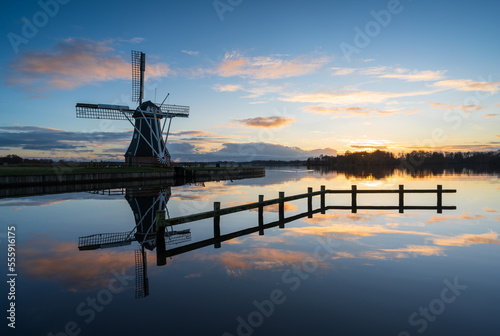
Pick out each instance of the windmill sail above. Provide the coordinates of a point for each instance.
(138, 68)
(171, 111)
(103, 111)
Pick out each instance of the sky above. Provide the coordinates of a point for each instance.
(263, 79)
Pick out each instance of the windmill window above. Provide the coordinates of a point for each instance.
(135, 136)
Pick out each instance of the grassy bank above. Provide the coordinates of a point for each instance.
(58, 170)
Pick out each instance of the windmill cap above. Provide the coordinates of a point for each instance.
(145, 107)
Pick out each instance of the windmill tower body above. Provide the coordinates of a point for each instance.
(148, 145)
(147, 139)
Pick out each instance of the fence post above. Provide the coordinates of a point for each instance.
(401, 198)
(261, 216)
(217, 225)
(322, 201)
(282, 210)
(309, 203)
(161, 259)
(160, 218)
(354, 202)
(439, 198)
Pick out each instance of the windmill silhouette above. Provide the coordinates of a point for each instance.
(148, 145)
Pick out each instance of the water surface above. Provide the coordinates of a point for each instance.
(373, 272)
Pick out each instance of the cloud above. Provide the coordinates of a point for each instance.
(190, 133)
(227, 88)
(469, 239)
(464, 108)
(191, 52)
(348, 229)
(178, 148)
(367, 144)
(266, 122)
(259, 89)
(63, 264)
(467, 215)
(242, 152)
(349, 111)
(467, 85)
(456, 148)
(350, 98)
(267, 67)
(415, 76)
(343, 71)
(415, 250)
(393, 73)
(490, 210)
(73, 63)
(134, 40)
(235, 263)
(267, 151)
(491, 115)
(50, 139)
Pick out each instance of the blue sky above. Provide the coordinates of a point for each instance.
(264, 79)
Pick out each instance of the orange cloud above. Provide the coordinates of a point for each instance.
(425, 250)
(393, 73)
(491, 115)
(467, 215)
(349, 111)
(439, 219)
(351, 230)
(76, 270)
(267, 67)
(469, 239)
(259, 258)
(490, 210)
(350, 98)
(73, 63)
(227, 88)
(464, 108)
(275, 207)
(415, 76)
(407, 252)
(266, 122)
(467, 85)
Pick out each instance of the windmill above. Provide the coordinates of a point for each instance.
(148, 145)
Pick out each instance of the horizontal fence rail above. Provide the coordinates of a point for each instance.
(354, 191)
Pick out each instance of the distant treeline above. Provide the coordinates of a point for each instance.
(413, 159)
(16, 159)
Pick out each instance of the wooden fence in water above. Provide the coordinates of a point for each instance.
(217, 212)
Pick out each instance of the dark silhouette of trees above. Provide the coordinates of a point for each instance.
(414, 159)
(16, 159)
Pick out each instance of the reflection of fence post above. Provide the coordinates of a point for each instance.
(401, 198)
(323, 205)
(354, 202)
(161, 259)
(309, 202)
(439, 198)
(217, 225)
(282, 210)
(261, 215)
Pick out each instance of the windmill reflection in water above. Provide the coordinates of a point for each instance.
(144, 202)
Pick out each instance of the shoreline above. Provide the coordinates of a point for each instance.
(66, 176)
